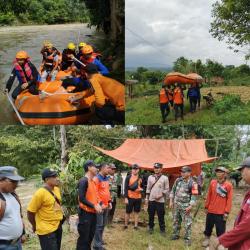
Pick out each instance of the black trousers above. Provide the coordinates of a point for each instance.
(164, 111)
(193, 103)
(159, 208)
(32, 89)
(86, 230)
(51, 241)
(178, 107)
(119, 191)
(218, 221)
(111, 212)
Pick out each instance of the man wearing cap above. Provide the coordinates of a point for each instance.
(102, 185)
(45, 211)
(88, 206)
(133, 196)
(113, 191)
(11, 224)
(156, 194)
(218, 204)
(182, 199)
(239, 237)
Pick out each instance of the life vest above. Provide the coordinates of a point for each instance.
(89, 60)
(49, 58)
(163, 98)
(91, 196)
(24, 74)
(178, 96)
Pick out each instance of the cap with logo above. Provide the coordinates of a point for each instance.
(135, 166)
(185, 169)
(222, 169)
(10, 173)
(48, 172)
(245, 164)
(158, 165)
(112, 165)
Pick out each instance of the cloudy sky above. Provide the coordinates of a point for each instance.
(175, 28)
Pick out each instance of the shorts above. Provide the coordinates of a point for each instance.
(133, 205)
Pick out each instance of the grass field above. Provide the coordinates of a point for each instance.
(144, 107)
(118, 239)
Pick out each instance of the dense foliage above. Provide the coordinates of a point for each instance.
(43, 11)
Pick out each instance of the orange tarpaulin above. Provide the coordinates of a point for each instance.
(173, 154)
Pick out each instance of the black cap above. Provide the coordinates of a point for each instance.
(48, 172)
(10, 173)
(91, 68)
(245, 164)
(158, 165)
(87, 164)
(135, 166)
(186, 169)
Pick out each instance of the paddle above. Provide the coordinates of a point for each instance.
(15, 109)
(75, 59)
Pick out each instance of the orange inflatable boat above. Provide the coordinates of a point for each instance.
(52, 105)
(176, 77)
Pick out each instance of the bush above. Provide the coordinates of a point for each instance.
(227, 103)
(7, 19)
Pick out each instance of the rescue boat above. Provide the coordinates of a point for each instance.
(52, 106)
(176, 77)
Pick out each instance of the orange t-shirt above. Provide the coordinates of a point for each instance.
(178, 96)
(163, 96)
(137, 193)
(216, 204)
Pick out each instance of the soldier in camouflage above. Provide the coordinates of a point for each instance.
(182, 199)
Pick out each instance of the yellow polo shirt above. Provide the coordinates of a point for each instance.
(48, 212)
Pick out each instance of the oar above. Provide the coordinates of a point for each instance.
(75, 59)
(15, 109)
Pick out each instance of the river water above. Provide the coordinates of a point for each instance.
(30, 39)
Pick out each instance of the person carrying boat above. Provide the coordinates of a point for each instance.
(109, 96)
(193, 96)
(164, 103)
(50, 63)
(88, 56)
(26, 73)
(67, 56)
(178, 99)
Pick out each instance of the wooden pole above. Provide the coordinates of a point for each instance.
(63, 141)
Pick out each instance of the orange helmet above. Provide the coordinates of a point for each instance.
(22, 55)
(87, 49)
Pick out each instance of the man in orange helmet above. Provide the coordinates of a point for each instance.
(88, 56)
(26, 74)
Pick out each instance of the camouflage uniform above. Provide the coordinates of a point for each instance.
(113, 187)
(182, 199)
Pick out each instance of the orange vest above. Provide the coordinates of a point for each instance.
(91, 196)
(103, 191)
(137, 193)
(178, 96)
(163, 96)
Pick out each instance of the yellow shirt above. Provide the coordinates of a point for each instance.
(110, 89)
(47, 210)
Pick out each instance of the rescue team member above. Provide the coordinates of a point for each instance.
(102, 185)
(182, 199)
(80, 47)
(178, 100)
(88, 56)
(133, 197)
(218, 204)
(45, 212)
(26, 73)
(238, 238)
(50, 63)
(113, 191)
(156, 193)
(12, 231)
(109, 96)
(88, 207)
(44, 50)
(193, 96)
(170, 95)
(164, 103)
(67, 56)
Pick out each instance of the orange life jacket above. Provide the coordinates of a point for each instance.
(178, 96)
(163, 98)
(91, 196)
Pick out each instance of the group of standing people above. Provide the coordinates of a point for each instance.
(97, 193)
(172, 96)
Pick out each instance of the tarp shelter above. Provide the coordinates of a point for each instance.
(173, 154)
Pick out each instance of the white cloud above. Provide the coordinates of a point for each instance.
(175, 28)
